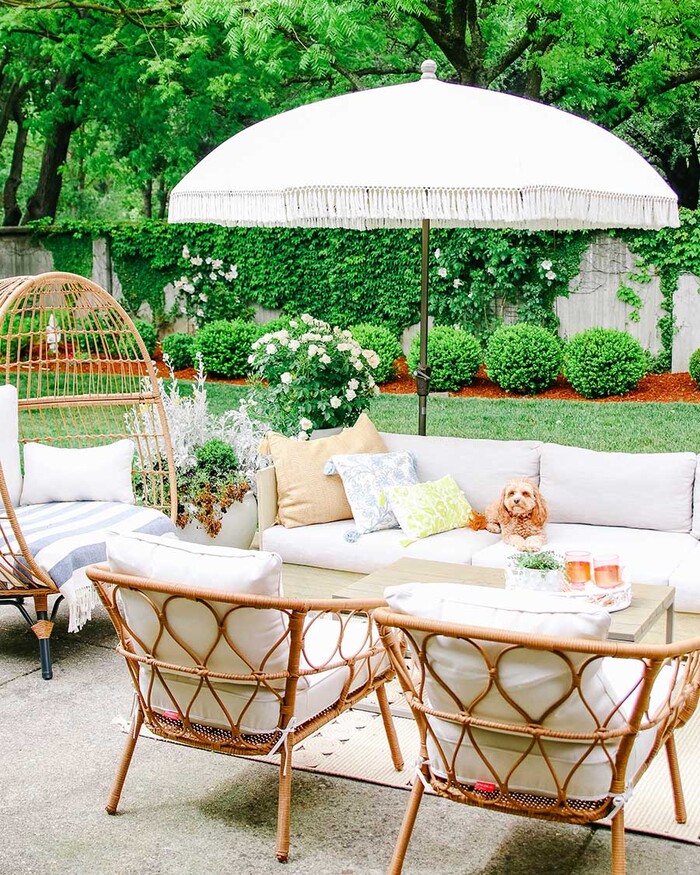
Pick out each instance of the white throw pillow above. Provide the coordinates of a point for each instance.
(9, 442)
(534, 680)
(85, 474)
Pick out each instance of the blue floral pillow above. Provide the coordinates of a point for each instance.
(365, 478)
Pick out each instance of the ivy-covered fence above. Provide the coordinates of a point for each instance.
(347, 277)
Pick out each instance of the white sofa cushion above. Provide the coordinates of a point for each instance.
(101, 473)
(695, 532)
(324, 546)
(646, 556)
(685, 577)
(635, 490)
(9, 442)
(480, 467)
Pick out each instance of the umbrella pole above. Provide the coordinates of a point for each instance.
(422, 373)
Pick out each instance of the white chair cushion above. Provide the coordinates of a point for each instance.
(78, 474)
(685, 577)
(646, 556)
(324, 546)
(635, 490)
(9, 442)
(695, 532)
(535, 680)
(480, 467)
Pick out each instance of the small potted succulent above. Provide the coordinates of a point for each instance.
(542, 571)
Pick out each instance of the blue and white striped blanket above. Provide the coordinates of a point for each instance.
(65, 537)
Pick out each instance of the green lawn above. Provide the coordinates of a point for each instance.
(622, 426)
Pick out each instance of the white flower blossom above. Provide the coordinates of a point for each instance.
(343, 347)
(437, 254)
(286, 378)
(185, 251)
(217, 263)
(351, 394)
(357, 364)
(373, 359)
(271, 349)
(251, 359)
(196, 261)
(325, 359)
(212, 276)
(306, 319)
(353, 384)
(335, 402)
(294, 345)
(228, 276)
(293, 323)
(313, 349)
(442, 271)
(457, 283)
(203, 297)
(551, 275)
(233, 270)
(200, 312)
(302, 436)
(305, 424)
(546, 265)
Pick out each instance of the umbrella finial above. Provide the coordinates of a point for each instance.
(428, 69)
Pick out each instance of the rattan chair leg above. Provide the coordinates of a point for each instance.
(42, 629)
(618, 843)
(284, 803)
(389, 728)
(125, 762)
(407, 824)
(678, 799)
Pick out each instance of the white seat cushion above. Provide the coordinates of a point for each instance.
(685, 577)
(9, 442)
(646, 556)
(480, 467)
(324, 546)
(635, 490)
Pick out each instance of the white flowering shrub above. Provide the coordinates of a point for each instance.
(208, 290)
(308, 376)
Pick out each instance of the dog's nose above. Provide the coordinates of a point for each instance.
(516, 501)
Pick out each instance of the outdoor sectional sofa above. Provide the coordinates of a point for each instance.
(643, 506)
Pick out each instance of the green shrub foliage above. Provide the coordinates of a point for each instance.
(225, 347)
(694, 366)
(179, 348)
(602, 362)
(148, 335)
(453, 354)
(523, 358)
(384, 343)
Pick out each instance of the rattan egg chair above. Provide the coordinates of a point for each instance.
(83, 378)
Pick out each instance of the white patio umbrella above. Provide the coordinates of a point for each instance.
(424, 153)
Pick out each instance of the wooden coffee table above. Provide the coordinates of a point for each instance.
(649, 602)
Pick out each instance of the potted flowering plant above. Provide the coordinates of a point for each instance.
(215, 462)
(309, 376)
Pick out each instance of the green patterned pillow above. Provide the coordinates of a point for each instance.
(428, 508)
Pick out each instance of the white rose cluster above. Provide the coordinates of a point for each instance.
(192, 289)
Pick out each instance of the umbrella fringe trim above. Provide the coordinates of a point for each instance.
(358, 207)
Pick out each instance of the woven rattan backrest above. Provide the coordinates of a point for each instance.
(83, 375)
(222, 689)
(657, 689)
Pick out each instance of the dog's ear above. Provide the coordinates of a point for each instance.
(540, 513)
(504, 515)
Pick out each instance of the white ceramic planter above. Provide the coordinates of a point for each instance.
(238, 526)
(533, 579)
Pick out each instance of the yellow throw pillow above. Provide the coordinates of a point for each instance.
(428, 508)
(305, 495)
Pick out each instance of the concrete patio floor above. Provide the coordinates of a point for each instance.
(189, 811)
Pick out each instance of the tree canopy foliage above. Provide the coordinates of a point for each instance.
(105, 104)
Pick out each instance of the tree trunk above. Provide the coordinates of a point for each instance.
(44, 201)
(162, 198)
(147, 199)
(13, 213)
(14, 97)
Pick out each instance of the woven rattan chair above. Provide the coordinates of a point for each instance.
(242, 699)
(83, 378)
(522, 765)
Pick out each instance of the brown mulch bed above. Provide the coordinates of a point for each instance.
(654, 387)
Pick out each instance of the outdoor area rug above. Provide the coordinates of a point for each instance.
(355, 746)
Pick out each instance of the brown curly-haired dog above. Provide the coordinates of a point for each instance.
(519, 515)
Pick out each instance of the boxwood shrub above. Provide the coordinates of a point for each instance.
(694, 366)
(453, 354)
(148, 335)
(523, 358)
(225, 346)
(385, 343)
(179, 348)
(603, 361)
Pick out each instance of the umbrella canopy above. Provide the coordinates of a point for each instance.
(422, 153)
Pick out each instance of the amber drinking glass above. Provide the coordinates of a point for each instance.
(606, 570)
(578, 568)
